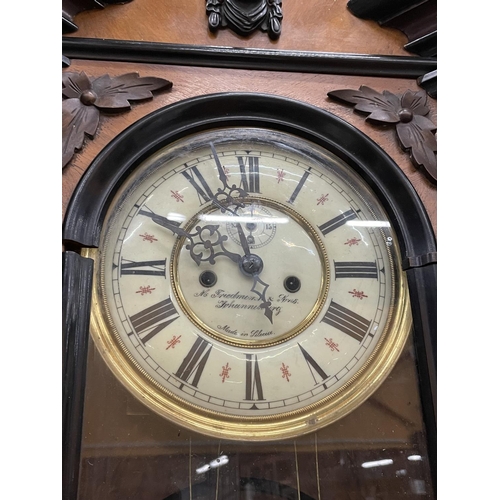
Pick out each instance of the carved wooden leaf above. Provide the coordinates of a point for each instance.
(382, 107)
(415, 101)
(414, 130)
(420, 129)
(425, 157)
(84, 98)
(115, 93)
(77, 120)
(73, 84)
(417, 136)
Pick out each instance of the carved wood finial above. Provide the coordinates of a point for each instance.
(245, 16)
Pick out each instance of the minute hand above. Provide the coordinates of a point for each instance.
(252, 265)
(222, 174)
(243, 239)
(225, 197)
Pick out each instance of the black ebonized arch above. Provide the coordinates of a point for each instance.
(110, 168)
(91, 199)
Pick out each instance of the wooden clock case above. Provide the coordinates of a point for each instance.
(211, 72)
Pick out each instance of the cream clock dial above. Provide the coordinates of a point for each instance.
(249, 285)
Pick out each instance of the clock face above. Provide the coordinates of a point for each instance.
(249, 285)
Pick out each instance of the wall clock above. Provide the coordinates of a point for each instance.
(257, 266)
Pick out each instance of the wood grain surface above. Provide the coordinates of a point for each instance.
(193, 81)
(317, 25)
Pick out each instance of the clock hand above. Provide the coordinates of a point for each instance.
(223, 198)
(268, 313)
(204, 243)
(249, 264)
(252, 265)
(165, 222)
(250, 238)
(243, 239)
(207, 242)
(222, 174)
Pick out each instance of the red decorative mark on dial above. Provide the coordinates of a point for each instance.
(148, 237)
(358, 294)
(177, 196)
(352, 241)
(285, 372)
(281, 175)
(143, 290)
(332, 345)
(225, 372)
(173, 342)
(321, 200)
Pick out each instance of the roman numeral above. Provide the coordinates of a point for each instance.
(337, 222)
(144, 268)
(299, 185)
(313, 366)
(346, 321)
(204, 192)
(355, 270)
(250, 180)
(193, 364)
(253, 385)
(153, 319)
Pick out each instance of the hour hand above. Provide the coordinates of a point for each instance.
(266, 304)
(204, 242)
(252, 265)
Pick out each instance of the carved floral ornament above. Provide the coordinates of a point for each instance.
(408, 112)
(85, 99)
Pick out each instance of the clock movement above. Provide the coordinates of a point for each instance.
(250, 270)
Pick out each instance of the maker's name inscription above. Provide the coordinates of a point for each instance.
(242, 301)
